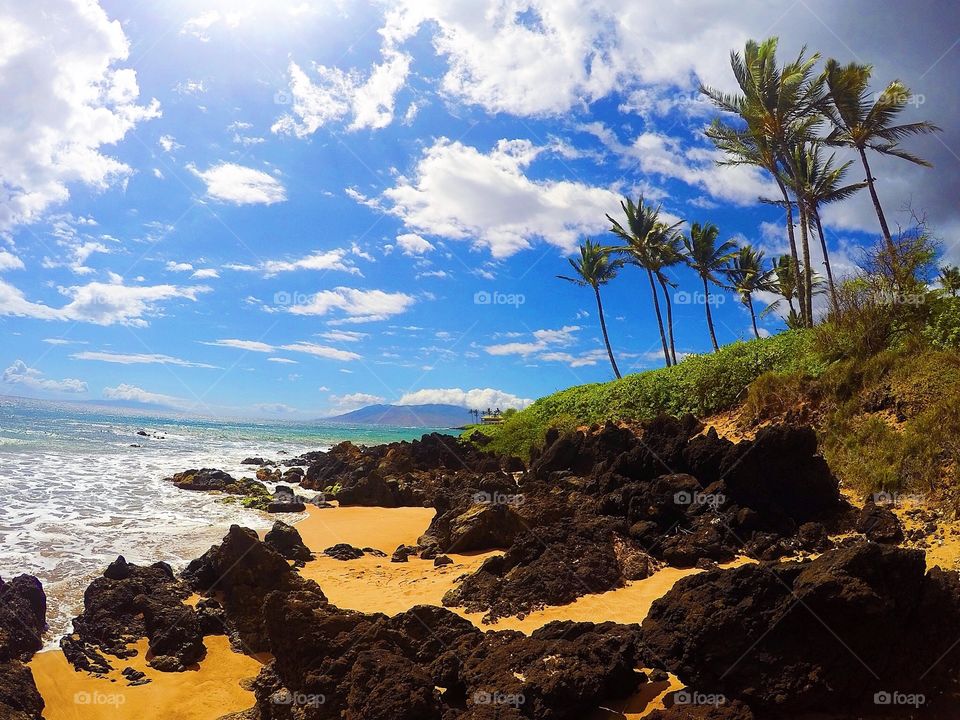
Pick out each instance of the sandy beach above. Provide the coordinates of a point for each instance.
(369, 584)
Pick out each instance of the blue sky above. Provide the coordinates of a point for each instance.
(292, 209)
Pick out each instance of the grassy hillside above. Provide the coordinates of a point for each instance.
(888, 419)
(700, 384)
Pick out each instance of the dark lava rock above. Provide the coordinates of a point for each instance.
(726, 710)
(441, 560)
(403, 553)
(130, 602)
(880, 524)
(244, 571)
(343, 551)
(23, 609)
(376, 667)
(374, 551)
(143, 433)
(824, 635)
(212, 617)
(287, 541)
(134, 677)
(285, 501)
(208, 479)
(255, 461)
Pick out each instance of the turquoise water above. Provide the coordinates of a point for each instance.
(76, 493)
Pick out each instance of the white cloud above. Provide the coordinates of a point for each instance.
(248, 345)
(138, 359)
(20, 374)
(336, 259)
(63, 341)
(205, 274)
(285, 361)
(179, 267)
(61, 82)
(241, 185)
(413, 244)
(542, 339)
(99, 303)
(356, 305)
(461, 193)
(343, 336)
(9, 261)
(168, 143)
(476, 398)
(588, 358)
(352, 401)
(133, 393)
(337, 94)
(200, 25)
(323, 351)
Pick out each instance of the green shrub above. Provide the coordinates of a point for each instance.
(943, 327)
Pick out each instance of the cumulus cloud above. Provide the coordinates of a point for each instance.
(20, 374)
(205, 274)
(335, 95)
(9, 261)
(461, 193)
(99, 303)
(343, 335)
(355, 305)
(413, 244)
(540, 341)
(475, 398)
(133, 393)
(62, 83)
(352, 401)
(335, 259)
(241, 185)
(138, 359)
(248, 345)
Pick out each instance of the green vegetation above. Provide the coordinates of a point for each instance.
(700, 384)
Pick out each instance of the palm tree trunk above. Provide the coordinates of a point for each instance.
(826, 259)
(606, 338)
(880, 216)
(793, 245)
(656, 306)
(666, 297)
(753, 316)
(706, 302)
(807, 281)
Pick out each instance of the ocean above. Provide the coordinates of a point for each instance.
(76, 493)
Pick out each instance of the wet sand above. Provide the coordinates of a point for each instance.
(207, 692)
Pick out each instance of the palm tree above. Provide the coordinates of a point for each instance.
(707, 258)
(748, 277)
(780, 106)
(667, 251)
(641, 248)
(864, 124)
(594, 268)
(950, 279)
(818, 182)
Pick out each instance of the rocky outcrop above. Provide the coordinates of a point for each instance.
(879, 524)
(130, 602)
(242, 571)
(287, 541)
(285, 501)
(824, 635)
(210, 479)
(23, 609)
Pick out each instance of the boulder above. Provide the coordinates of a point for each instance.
(879, 524)
(343, 551)
(287, 541)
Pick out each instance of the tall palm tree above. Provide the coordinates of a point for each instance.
(747, 277)
(595, 268)
(667, 251)
(950, 279)
(780, 106)
(708, 259)
(815, 182)
(641, 250)
(863, 123)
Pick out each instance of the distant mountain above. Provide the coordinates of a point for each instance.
(435, 415)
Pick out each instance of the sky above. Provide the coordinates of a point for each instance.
(292, 209)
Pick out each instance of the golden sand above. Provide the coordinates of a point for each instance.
(207, 692)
